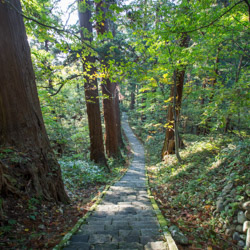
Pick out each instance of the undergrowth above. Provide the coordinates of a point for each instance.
(187, 192)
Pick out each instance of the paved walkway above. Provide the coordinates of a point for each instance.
(125, 218)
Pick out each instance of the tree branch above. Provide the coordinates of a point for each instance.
(48, 26)
(214, 21)
(64, 82)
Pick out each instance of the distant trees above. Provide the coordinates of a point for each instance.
(22, 131)
(192, 63)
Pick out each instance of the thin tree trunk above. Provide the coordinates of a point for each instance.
(22, 130)
(176, 122)
(179, 75)
(132, 100)
(91, 91)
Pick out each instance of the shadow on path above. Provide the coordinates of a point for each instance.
(125, 218)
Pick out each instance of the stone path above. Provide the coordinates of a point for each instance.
(125, 218)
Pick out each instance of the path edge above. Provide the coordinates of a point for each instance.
(97, 199)
(161, 219)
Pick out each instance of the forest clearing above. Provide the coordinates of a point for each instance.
(124, 124)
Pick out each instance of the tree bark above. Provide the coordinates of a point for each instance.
(91, 91)
(22, 129)
(118, 117)
(110, 119)
(169, 142)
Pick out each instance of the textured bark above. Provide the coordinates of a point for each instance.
(21, 124)
(110, 119)
(110, 104)
(91, 93)
(169, 142)
(118, 117)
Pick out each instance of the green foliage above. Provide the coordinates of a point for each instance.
(79, 174)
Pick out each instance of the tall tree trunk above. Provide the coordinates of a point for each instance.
(169, 142)
(91, 90)
(22, 130)
(110, 105)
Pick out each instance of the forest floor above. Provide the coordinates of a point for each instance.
(189, 192)
(30, 223)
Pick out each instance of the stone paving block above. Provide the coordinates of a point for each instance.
(130, 239)
(139, 198)
(128, 211)
(103, 214)
(141, 203)
(146, 213)
(118, 227)
(125, 233)
(127, 207)
(128, 248)
(149, 219)
(133, 245)
(124, 203)
(113, 233)
(78, 246)
(120, 223)
(128, 218)
(100, 222)
(98, 214)
(127, 236)
(107, 208)
(150, 232)
(108, 202)
(80, 238)
(94, 218)
(145, 239)
(129, 199)
(107, 246)
(92, 228)
(113, 200)
(100, 238)
(157, 245)
(143, 224)
(111, 197)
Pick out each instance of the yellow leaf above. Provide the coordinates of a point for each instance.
(26, 230)
(207, 207)
(169, 99)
